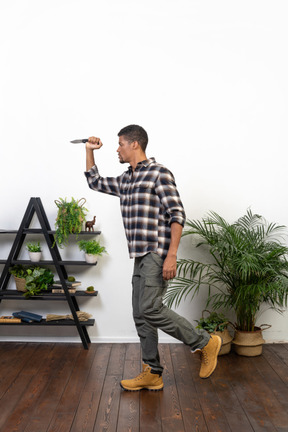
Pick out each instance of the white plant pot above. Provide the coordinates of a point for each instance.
(35, 256)
(91, 259)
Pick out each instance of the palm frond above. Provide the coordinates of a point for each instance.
(249, 266)
(191, 276)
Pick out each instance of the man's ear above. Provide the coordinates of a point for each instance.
(135, 145)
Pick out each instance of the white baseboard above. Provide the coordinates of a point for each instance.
(77, 339)
(102, 340)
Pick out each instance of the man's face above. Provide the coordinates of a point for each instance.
(124, 150)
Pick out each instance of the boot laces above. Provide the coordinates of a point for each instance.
(141, 375)
(204, 356)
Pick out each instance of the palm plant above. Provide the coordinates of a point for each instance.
(249, 267)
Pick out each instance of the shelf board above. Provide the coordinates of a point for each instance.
(50, 262)
(40, 231)
(18, 295)
(64, 322)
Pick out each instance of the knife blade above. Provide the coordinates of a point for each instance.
(79, 141)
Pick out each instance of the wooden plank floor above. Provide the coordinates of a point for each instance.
(62, 387)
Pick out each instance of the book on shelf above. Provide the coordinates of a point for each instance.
(27, 320)
(61, 290)
(9, 319)
(27, 316)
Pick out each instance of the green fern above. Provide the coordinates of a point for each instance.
(69, 220)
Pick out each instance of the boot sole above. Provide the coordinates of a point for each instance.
(217, 352)
(150, 388)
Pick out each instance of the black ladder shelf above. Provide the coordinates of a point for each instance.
(35, 206)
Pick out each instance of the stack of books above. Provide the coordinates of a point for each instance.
(27, 316)
(58, 288)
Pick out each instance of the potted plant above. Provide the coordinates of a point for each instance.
(70, 218)
(216, 323)
(38, 280)
(249, 269)
(92, 249)
(34, 279)
(90, 289)
(34, 251)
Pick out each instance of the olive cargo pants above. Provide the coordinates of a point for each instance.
(150, 313)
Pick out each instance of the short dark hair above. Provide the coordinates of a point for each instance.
(135, 133)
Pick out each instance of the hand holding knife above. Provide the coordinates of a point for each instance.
(96, 143)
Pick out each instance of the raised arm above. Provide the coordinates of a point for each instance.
(108, 185)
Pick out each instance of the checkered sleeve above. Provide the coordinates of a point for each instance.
(108, 185)
(166, 190)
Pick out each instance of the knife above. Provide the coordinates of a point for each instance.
(79, 141)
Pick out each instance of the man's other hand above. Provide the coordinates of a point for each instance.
(169, 267)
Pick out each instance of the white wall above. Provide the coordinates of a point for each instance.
(208, 80)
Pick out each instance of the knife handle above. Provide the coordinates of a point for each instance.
(84, 140)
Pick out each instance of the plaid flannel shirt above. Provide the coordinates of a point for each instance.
(149, 203)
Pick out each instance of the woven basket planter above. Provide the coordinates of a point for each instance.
(225, 335)
(226, 341)
(20, 284)
(249, 344)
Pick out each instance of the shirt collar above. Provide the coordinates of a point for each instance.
(144, 163)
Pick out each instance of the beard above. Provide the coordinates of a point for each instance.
(121, 160)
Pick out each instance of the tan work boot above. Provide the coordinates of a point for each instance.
(145, 380)
(209, 356)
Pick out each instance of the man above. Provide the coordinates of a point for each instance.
(153, 218)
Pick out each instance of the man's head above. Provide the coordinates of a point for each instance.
(133, 133)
